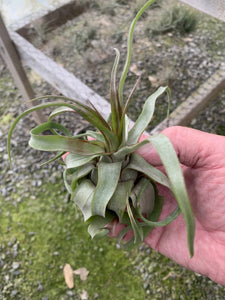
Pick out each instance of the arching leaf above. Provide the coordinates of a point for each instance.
(108, 177)
(173, 169)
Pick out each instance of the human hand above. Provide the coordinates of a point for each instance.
(202, 156)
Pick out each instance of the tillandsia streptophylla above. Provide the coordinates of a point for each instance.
(106, 178)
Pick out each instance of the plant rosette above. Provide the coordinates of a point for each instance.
(104, 175)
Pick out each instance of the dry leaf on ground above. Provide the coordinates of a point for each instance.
(83, 272)
(84, 295)
(68, 274)
(134, 69)
(154, 80)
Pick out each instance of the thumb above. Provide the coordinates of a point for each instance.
(192, 146)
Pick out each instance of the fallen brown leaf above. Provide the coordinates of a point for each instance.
(134, 69)
(84, 295)
(187, 40)
(68, 274)
(154, 80)
(83, 272)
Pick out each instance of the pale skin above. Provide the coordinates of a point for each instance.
(202, 156)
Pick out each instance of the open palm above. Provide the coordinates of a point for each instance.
(203, 158)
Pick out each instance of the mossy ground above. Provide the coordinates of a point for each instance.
(42, 232)
(49, 233)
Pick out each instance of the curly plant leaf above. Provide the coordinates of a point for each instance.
(162, 223)
(79, 173)
(56, 157)
(116, 109)
(86, 112)
(95, 135)
(126, 150)
(139, 164)
(91, 135)
(155, 214)
(108, 177)
(60, 110)
(145, 117)
(61, 143)
(121, 237)
(49, 126)
(83, 196)
(73, 160)
(171, 163)
(67, 185)
(129, 49)
(97, 227)
(144, 194)
(93, 116)
(119, 199)
(137, 230)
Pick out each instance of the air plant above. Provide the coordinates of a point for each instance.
(104, 175)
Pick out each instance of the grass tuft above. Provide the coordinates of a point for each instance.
(176, 18)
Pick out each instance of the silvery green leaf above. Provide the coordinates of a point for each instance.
(121, 243)
(94, 176)
(119, 199)
(68, 187)
(57, 156)
(82, 196)
(171, 163)
(115, 105)
(60, 110)
(137, 230)
(163, 222)
(139, 164)
(128, 174)
(145, 117)
(80, 172)
(95, 135)
(155, 214)
(98, 223)
(147, 197)
(62, 143)
(129, 49)
(108, 177)
(73, 160)
(125, 150)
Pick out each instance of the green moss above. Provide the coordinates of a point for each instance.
(6, 119)
(50, 233)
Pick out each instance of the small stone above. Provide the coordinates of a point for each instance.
(14, 293)
(40, 287)
(4, 192)
(96, 295)
(15, 253)
(69, 293)
(17, 272)
(15, 265)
